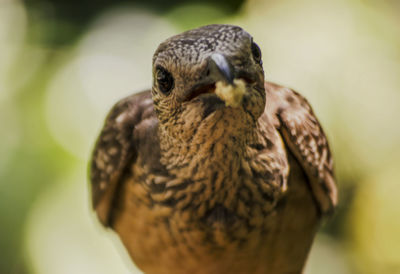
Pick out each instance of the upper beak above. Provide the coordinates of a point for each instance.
(219, 65)
(218, 69)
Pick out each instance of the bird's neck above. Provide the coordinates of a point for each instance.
(215, 143)
(213, 158)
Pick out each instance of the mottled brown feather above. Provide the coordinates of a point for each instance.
(193, 186)
(114, 150)
(152, 228)
(305, 138)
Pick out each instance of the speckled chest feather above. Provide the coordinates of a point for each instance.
(213, 187)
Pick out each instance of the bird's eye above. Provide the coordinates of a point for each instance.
(255, 50)
(164, 79)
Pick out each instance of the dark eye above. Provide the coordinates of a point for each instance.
(164, 79)
(255, 50)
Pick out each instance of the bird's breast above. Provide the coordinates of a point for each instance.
(223, 200)
(194, 234)
(202, 202)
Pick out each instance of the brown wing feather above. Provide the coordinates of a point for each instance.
(305, 138)
(115, 150)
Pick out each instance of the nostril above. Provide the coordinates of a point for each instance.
(208, 72)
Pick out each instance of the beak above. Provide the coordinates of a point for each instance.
(219, 64)
(218, 69)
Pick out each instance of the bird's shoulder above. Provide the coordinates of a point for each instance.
(303, 135)
(129, 119)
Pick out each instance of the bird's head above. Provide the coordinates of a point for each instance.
(205, 70)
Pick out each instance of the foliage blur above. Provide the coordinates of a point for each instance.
(63, 64)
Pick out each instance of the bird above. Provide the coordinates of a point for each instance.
(213, 169)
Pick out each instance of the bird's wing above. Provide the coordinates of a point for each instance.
(115, 150)
(305, 138)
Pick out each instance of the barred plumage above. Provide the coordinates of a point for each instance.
(194, 186)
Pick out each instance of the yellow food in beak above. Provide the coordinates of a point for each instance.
(232, 95)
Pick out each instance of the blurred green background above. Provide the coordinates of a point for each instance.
(64, 63)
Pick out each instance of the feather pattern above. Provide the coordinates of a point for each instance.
(114, 150)
(305, 138)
